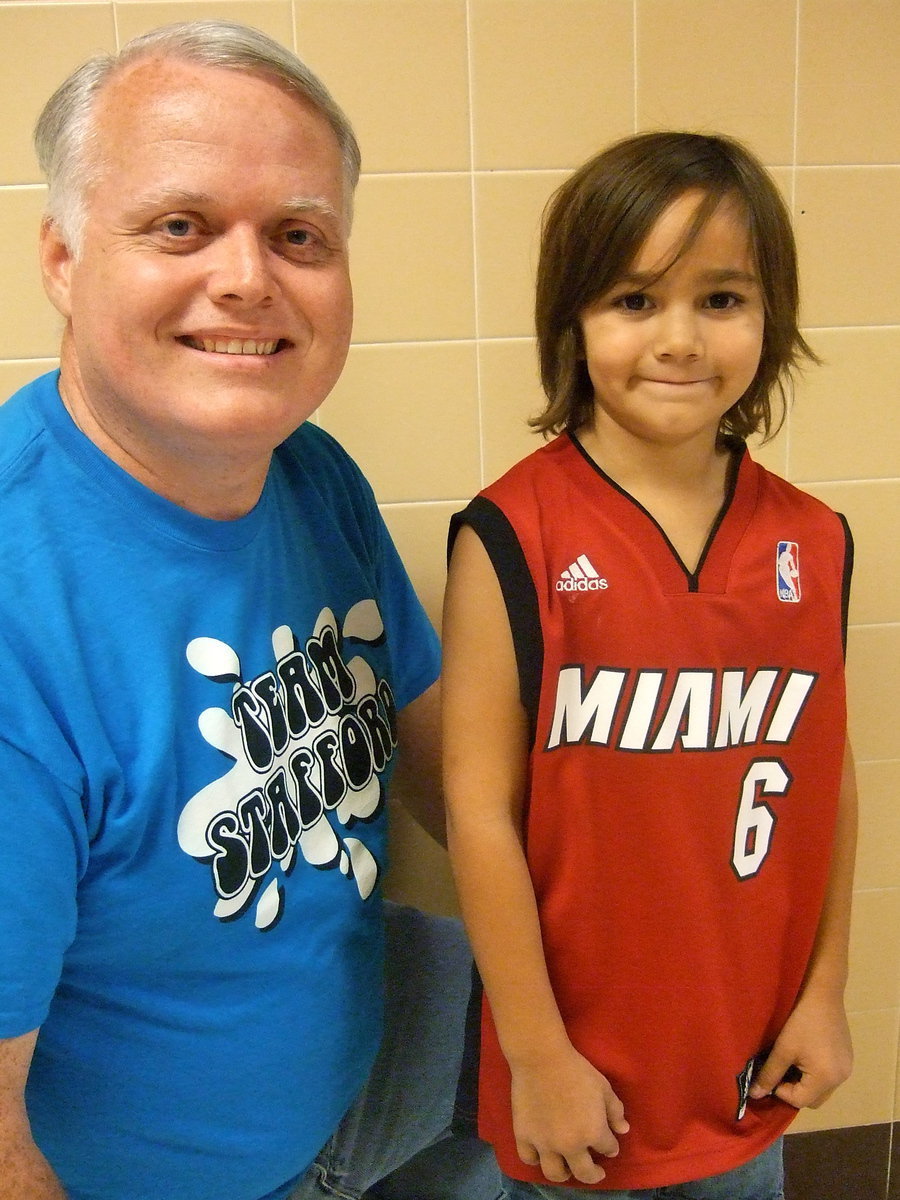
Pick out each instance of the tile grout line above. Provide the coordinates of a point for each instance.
(634, 65)
(892, 1123)
(788, 422)
(479, 398)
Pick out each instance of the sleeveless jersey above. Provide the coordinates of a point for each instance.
(688, 734)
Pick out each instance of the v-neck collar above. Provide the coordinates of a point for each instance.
(714, 565)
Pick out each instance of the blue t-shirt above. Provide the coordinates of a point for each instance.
(197, 725)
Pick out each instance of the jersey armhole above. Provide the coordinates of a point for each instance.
(845, 583)
(519, 595)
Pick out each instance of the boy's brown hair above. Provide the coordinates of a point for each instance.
(593, 229)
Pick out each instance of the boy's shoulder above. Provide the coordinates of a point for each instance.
(547, 460)
(779, 492)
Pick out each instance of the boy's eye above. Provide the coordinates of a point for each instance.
(723, 300)
(633, 302)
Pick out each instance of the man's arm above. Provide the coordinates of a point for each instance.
(816, 1038)
(24, 1172)
(417, 776)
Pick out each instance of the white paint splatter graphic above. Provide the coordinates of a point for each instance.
(309, 741)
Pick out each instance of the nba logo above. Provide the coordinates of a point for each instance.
(787, 572)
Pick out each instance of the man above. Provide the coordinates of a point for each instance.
(211, 654)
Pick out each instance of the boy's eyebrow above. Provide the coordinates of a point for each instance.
(720, 275)
(731, 275)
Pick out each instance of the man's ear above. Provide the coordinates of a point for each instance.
(56, 266)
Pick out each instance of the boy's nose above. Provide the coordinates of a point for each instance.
(678, 334)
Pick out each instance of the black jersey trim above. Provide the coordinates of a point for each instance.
(519, 595)
(848, 573)
(737, 449)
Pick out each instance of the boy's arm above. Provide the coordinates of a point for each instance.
(563, 1109)
(24, 1172)
(816, 1038)
(417, 777)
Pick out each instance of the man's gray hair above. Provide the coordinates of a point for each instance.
(64, 135)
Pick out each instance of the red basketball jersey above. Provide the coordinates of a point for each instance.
(688, 737)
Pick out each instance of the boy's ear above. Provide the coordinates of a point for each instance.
(56, 266)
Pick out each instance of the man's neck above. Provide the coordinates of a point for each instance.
(209, 481)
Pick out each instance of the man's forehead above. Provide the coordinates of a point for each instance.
(170, 92)
(155, 80)
(172, 120)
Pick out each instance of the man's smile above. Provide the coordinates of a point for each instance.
(225, 345)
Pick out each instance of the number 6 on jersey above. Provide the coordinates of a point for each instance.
(755, 820)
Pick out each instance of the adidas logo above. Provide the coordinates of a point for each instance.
(581, 576)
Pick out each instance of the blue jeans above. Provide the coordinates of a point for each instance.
(395, 1141)
(760, 1179)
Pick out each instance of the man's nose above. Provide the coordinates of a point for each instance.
(240, 272)
(678, 333)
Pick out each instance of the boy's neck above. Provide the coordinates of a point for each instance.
(683, 486)
(692, 465)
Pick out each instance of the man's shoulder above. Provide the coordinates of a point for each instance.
(319, 459)
(314, 445)
(20, 423)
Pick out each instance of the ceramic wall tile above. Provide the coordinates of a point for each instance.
(847, 74)
(508, 209)
(412, 258)
(39, 47)
(399, 68)
(271, 16)
(408, 414)
(31, 326)
(698, 67)
(552, 80)
(846, 223)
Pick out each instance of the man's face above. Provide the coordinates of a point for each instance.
(210, 307)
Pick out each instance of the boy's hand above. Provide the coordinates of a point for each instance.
(816, 1043)
(564, 1114)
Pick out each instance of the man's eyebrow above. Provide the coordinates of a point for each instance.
(165, 198)
(181, 198)
(314, 204)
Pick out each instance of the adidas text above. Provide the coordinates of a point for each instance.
(581, 585)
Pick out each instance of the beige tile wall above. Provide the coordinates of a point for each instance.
(470, 112)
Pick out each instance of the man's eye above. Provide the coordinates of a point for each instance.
(303, 239)
(177, 227)
(304, 245)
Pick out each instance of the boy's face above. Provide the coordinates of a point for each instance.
(668, 357)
